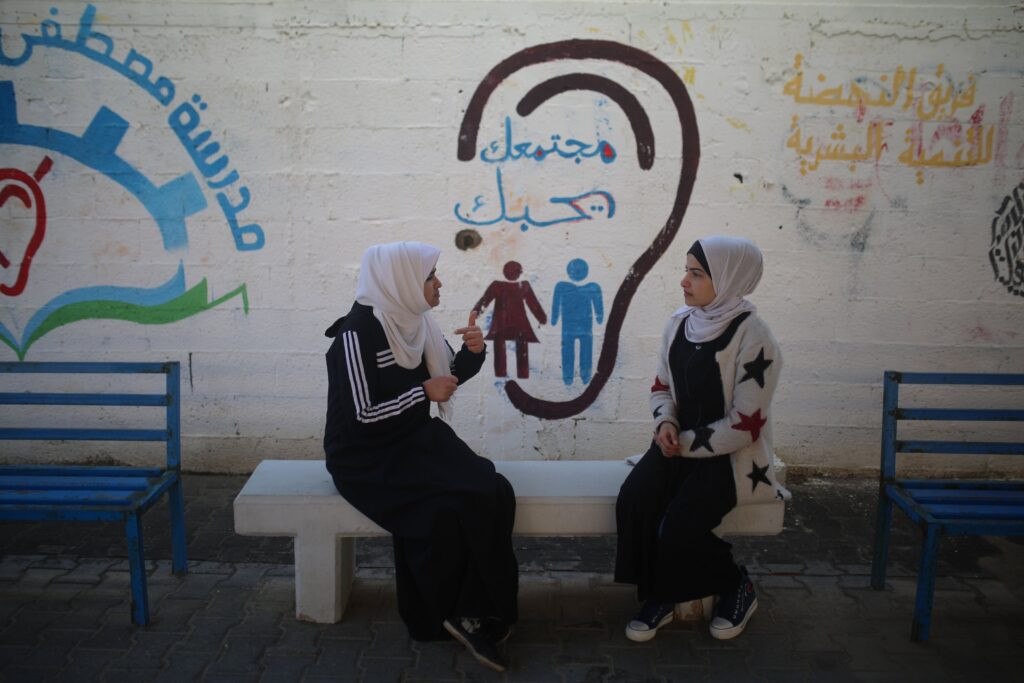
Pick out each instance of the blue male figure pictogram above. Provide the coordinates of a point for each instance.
(577, 306)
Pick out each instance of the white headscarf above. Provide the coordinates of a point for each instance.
(391, 280)
(735, 267)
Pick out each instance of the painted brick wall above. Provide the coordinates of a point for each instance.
(215, 170)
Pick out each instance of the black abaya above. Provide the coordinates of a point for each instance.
(449, 512)
(668, 507)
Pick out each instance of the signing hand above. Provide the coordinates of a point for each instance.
(668, 439)
(440, 389)
(472, 336)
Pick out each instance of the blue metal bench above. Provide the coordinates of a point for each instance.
(971, 507)
(87, 493)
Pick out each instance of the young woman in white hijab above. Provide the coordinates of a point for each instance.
(450, 514)
(712, 448)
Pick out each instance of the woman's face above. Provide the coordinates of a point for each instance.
(432, 289)
(698, 290)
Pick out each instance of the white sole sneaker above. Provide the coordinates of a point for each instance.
(640, 633)
(729, 632)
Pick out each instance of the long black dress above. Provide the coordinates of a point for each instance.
(450, 514)
(668, 507)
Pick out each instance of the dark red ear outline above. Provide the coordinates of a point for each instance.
(673, 85)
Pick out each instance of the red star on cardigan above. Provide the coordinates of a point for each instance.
(658, 385)
(751, 423)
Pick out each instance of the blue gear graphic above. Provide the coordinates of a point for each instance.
(169, 205)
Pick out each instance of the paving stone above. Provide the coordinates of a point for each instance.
(578, 647)
(37, 577)
(265, 624)
(239, 656)
(631, 662)
(856, 569)
(527, 664)
(26, 626)
(173, 615)
(198, 587)
(286, 667)
(682, 673)
(226, 602)
(184, 666)
(86, 665)
(86, 571)
(297, 637)
(207, 634)
(282, 571)
(385, 669)
(13, 566)
(209, 567)
(337, 656)
(435, 662)
(390, 640)
(770, 582)
(148, 650)
(112, 637)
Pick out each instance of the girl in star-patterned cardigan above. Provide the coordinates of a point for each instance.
(711, 401)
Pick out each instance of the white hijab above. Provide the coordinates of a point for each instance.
(391, 280)
(735, 267)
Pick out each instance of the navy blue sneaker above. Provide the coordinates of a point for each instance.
(734, 609)
(652, 616)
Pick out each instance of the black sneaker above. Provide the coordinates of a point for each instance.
(652, 616)
(471, 633)
(734, 609)
(497, 630)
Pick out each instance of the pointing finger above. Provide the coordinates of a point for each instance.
(472, 317)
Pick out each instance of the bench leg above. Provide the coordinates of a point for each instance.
(137, 565)
(925, 585)
(176, 504)
(324, 571)
(883, 523)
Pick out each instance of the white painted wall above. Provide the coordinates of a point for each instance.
(341, 120)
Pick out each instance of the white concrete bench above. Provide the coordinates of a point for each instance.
(553, 498)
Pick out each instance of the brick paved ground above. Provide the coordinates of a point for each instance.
(64, 608)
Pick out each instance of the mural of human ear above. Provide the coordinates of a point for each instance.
(17, 246)
(607, 51)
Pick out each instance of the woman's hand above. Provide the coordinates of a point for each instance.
(472, 336)
(668, 439)
(441, 388)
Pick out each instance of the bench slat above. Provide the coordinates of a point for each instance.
(77, 471)
(980, 511)
(959, 414)
(78, 513)
(70, 399)
(974, 484)
(939, 496)
(85, 434)
(28, 483)
(989, 527)
(68, 497)
(964, 447)
(979, 378)
(114, 368)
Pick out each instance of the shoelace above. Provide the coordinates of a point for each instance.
(738, 605)
(471, 625)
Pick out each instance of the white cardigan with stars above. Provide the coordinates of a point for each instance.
(749, 367)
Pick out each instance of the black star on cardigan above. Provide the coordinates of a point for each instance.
(755, 369)
(758, 475)
(701, 438)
